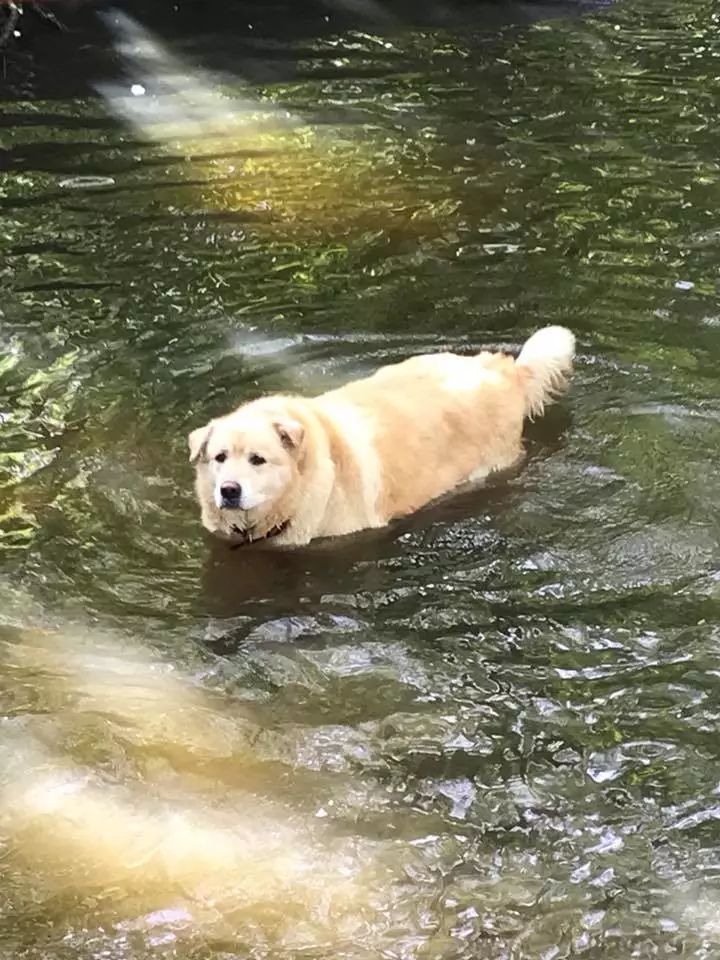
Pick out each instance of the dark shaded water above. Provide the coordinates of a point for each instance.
(490, 731)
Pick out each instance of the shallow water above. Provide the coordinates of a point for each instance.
(489, 731)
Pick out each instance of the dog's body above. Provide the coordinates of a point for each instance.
(290, 469)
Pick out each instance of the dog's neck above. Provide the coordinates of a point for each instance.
(248, 536)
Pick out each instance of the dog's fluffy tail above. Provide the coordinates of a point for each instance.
(545, 364)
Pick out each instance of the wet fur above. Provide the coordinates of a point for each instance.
(378, 448)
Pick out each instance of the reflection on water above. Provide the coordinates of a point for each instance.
(488, 731)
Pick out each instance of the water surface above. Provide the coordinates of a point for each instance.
(489, 731)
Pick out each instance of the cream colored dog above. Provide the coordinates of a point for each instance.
(291, 469)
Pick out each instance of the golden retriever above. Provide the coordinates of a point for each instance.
(288, 469)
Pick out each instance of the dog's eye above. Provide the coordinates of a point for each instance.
(221, 457)
(256, 460)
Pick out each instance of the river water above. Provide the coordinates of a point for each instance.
(489, 731)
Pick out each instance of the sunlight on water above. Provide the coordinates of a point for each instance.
(254, 155)
(171, 102)
(142, 699)
(89, 837)
(162, 840)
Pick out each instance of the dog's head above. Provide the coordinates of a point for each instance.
(247, 467)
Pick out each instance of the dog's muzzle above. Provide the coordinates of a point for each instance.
(230, 494)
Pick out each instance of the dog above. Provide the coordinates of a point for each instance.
(287, 469)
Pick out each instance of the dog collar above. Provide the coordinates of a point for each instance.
(247, 536)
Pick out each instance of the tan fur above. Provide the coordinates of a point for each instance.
(375, 449)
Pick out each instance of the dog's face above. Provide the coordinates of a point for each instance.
(247, 465)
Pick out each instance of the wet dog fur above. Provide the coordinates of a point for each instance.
(288, 469)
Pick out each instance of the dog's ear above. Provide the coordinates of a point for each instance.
(290, 432)
(197, 441)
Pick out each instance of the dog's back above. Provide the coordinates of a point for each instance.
(440, 420)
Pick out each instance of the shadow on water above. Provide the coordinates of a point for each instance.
(488, 731)
(59, 52)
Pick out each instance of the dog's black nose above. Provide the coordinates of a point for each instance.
(230, 493)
